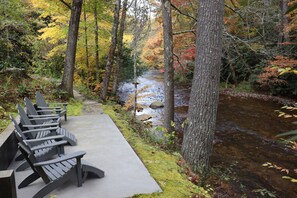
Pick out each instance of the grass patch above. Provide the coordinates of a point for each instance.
(74, 107)
(17, 85)
(162, 165)
(3, 124)
(86, 91)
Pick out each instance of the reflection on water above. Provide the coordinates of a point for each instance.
(244, 137)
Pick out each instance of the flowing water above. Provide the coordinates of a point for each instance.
(244, 139)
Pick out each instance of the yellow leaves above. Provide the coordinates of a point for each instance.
(286, 114)
(274, 166)
(39, 4)
(53, 34)
(128, 38)
(281, 169)
(289, 108)
(290, 178)
(59, 49)
(286, 70)
(50, 7)
(105, 26)
(62, 19)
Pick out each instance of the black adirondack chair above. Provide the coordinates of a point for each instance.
(52, 128)
(59, 108)
(43, 148)
(57, 171)
(47, 115)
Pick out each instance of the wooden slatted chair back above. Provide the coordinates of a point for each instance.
(31, 109)
(40, 101)
(31, 159)
(18, 131)
(25, 121)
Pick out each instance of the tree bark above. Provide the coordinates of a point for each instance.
(284, 36)
(120, 59)
(111, 53)
(136, 33)
(67, 81)
(86, 36)
(198, 137)
(168, 63)
(96, 41)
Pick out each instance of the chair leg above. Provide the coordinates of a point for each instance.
(23, 166)
(79, 172)
(53, 185)
(93, 171)
(28, 180)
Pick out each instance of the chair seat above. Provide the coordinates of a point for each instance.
(58, 170)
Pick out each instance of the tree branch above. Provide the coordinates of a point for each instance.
(184, 31)
(181, 12)
(177, 59)
(235, 11)
(66, 4)
(178, 10)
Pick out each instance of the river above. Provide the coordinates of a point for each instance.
(244, 139)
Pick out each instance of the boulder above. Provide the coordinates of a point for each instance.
(156, 105)
(143, 117)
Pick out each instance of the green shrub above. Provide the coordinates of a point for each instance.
(23, 90)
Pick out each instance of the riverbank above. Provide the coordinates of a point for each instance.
(259, 96)
(245, 137)
(164, 166)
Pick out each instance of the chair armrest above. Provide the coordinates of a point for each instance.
(49, 108)
(44, 118)
(54, 137)
(42, 125)
(45, 110)
(41, 129)
(56, 119)
(53, 116)
(78, 154)
(59, 143)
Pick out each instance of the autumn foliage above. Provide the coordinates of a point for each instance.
(279, 76)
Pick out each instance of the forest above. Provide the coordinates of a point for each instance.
(224, 71)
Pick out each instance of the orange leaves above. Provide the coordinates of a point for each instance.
(181, 3)
(276, 67)
(282, 62)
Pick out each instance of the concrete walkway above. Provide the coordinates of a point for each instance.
(107, 149)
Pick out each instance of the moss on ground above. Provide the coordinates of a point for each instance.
(162, 165)
(74, 107)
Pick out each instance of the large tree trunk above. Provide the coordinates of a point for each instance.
(86, 36)
(168, 62)
(111, 53)
(136, 33)
(284, 36)
(96, 41)
(120, 59)
(198, 137)
(67, 81)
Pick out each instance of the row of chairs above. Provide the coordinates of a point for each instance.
(41, 141)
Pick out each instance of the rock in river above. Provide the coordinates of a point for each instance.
(144, 117)
(156, 105)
